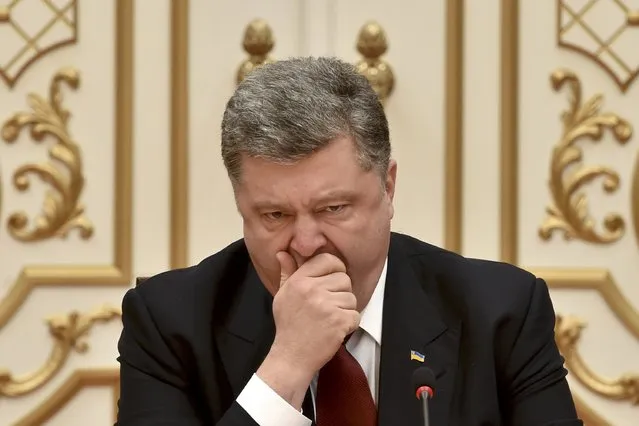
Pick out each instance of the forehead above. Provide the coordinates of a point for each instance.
(331, 169)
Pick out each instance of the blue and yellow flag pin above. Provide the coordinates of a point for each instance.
(414, 355)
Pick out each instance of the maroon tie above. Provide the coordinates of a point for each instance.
(343, 395)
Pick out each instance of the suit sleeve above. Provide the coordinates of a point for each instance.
(154, 388)
(538, 392)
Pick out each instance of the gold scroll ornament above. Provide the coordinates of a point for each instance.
(568, 332)
(62, 210)
(569, 211)
(68, 333)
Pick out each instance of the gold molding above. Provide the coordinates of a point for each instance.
(568, 212)
(509, 162)
(454, 104)
(180, 187)
(372, 44)
(634, 201)
(509, 131)
(67, 332)
(568, 332)
(30, 42)
(599, 280)
(78, 380)
(119, 273)
(62, 209)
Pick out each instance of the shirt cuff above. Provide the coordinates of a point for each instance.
(267, 408)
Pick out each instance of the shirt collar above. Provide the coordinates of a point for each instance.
(371, 316)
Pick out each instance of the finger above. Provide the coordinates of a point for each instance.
(344, 300)
(354, 319)
(322, 264)
(334, 282)
(287, 266)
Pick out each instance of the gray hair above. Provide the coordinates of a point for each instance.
(286, 110)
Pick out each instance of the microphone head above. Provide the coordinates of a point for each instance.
(423, 381)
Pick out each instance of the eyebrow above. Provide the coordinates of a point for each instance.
(316, 199)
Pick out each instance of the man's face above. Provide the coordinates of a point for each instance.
(324, 203)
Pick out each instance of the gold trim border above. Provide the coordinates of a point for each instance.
(509, 161)
(179, 230)
(79, 380)
(635, 199)
(453, 204)
(119, 273)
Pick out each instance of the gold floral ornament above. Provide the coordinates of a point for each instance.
(62, 210)
(568, 332)
(372, 44)
(68, 332)
(569, 211)
(258, 43)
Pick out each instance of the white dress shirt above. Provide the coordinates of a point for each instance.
(267, 408)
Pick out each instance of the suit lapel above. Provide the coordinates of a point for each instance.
(412, 320)
(246, 333)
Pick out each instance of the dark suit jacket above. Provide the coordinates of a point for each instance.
(192, 338)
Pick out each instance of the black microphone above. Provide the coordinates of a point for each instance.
(424, 386)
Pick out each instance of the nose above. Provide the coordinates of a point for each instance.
(307, 238)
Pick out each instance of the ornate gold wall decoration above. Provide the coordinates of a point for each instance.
(258, 43)
(509, 245)
(599, 280)
(574, 18)
(68, 333)
(116, 273)
(79, 380)
(63, 20)
(568, 332)
(62, 210)
(569, 211)
(372, 44)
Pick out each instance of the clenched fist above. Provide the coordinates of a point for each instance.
(314, 311)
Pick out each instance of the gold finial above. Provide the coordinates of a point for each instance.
(372, 44)
(258, 43)
(4, 14)
(633, 18)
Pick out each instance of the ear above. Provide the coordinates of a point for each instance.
(391, 176)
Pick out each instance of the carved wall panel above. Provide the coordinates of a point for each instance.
(552, 152)
(66, 214)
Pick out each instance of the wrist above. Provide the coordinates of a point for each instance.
(288, 378)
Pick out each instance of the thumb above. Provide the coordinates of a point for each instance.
(287, 266)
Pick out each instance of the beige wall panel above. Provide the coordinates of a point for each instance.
(593, 276)
(416, 109)
(481, 169)
(75, 275)
(215, 42)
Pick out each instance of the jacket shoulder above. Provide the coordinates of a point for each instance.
(480, 283)
(176, 291)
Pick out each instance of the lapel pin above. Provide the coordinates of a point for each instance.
(414, 355)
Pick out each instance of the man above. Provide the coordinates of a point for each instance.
(321, 313)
